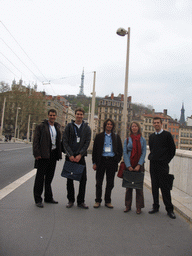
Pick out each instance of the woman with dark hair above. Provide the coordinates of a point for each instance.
(134, 152)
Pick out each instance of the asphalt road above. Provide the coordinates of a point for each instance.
(16, 160)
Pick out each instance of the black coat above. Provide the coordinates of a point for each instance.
(98, 148)
(42, 141)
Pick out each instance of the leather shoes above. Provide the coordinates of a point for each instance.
(138, 211)
(96, 205)
(171, 215)
(82, 205)
(40, 205)
(127, 209)
(109, 205)
(69, 205)
(51, 202)
(153, 211)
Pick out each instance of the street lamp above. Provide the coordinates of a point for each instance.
(16, 121)
(123, 32)
(92, 111)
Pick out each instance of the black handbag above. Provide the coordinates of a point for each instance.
(72, 170)
(133, 179)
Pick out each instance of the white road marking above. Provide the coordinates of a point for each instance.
(13, 149)
(9, 188)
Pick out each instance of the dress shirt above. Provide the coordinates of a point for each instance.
(108, 144)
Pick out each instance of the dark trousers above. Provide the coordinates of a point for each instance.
(44, 177)
(110, 167)
(82, 185)
(139, 198)
(159, 173)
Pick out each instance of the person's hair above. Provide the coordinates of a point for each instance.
(158, 118)
(139, 131)
(105, 124)
(80, 109)
(53, 111)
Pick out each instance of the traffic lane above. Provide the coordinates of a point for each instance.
(14, 164)
(13, 146)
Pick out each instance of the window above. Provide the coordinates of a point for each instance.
(173, 129)
(119, 118)
(146, 120)
(150, 121)
(106, 109)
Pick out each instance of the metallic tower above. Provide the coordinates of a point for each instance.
(81, 92)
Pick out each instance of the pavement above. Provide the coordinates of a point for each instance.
(56, 231)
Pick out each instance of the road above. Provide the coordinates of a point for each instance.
(16, 160)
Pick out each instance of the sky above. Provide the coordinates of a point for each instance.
(50, 42)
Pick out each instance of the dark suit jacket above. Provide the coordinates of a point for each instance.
(98, 148)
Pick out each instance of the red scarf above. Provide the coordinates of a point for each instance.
(136, 150)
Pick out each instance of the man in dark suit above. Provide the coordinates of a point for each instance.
(162, 150)
(107, 153)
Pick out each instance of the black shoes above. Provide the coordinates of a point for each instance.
(171, 215)
(51, 202)
(82, 205)
(69, 205)
(153, 211)
(40, 205)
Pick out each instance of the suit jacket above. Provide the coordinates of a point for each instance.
(98, 148)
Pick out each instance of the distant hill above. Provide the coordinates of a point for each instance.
(84, 101)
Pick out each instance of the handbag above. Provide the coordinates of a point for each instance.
(133, 179)
(122, 168)
(72, 170)
(170, 181)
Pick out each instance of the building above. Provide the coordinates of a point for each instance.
(185, 138)
(148, 123)
(112, 107)
(189, 121)
(173, 127)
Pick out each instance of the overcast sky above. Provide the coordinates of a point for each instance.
(60, 37)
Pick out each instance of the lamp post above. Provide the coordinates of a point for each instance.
(28, 128)
(16, 121)
(123, 32)
(92, 111)
(2, 118)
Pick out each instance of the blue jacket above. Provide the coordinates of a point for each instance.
(128, 148)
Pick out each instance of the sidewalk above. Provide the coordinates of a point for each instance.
(57, 231)
(181, 201)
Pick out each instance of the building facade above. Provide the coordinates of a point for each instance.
(112, 107)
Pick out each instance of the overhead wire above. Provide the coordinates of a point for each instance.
(23, 50)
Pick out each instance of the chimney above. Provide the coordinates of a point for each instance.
(122, 97)
(129, 99)
(112, 95)
(165, 112)
(153, 111)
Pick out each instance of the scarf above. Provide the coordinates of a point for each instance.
(136, 150)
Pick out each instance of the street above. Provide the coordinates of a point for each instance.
(56, 230)
(16, 160)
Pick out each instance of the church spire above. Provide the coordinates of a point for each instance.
(182, 118)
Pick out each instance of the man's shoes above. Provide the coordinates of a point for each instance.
(96, 205)
(109, 205)
(153, 211)
(51, 201)
(127, 209)
(171, 215)
(40, 205)
(69, 205)
(82, 205)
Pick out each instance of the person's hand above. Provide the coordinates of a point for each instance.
(137, 168)
(94, 167)
(71, 158)
(77, 158)
(38, 157)
(130, 168)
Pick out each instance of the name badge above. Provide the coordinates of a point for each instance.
(78, 139)
(108, 149)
